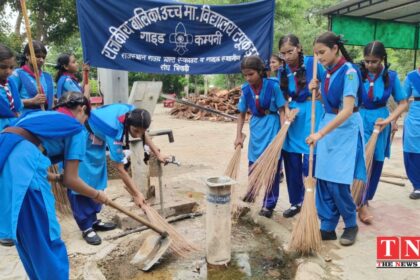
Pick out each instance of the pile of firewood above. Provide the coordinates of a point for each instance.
(222, 100)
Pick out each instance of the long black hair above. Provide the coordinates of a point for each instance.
(39, 48)
(5, 52)
(62, 61)
(255, 63)
(301, 71)
(377, 49)
(330, 39)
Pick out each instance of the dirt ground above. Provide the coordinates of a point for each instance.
(204, 148)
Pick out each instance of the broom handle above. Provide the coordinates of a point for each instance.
(137, 218)
(31, 48)
(311, 147)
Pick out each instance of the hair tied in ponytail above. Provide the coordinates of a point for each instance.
(340, 39)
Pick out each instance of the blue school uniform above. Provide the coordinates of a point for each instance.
(27, 87)
(340, 153)
(264, 125)
(105, 130)
(373, 108)
(66, 83)
(411, 134)
(27, 205)
(295, 150)
(8, 114)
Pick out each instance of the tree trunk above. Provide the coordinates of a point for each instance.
(18, 25)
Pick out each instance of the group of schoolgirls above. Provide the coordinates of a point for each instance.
(67, 132)
(351, 100)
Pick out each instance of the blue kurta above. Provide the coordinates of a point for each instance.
(300, 128)
(27, 87)
(6, 115)
(371, 111)
(338, 158)
(65, 84)
(93, 168)
(263, 128)
(411, 139)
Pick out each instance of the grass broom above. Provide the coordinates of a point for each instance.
(359, 188)
(179, 244)
(306, 236)
(263, 171)
(232, 171)
(60, 193)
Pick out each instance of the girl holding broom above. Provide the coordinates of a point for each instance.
(294, 78)
(109, 126)
(24, 78)
(263, 98)
(27, 211)
(380, 83)
(340, 152)
(10, 103)
(65, 78)
(411, 139)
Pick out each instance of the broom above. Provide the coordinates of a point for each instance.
(306, 237)
(263, 171)
(232, 171)
(359, 188)
(61, 202)
(179, 244)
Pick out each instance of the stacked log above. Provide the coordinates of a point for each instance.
(222, 100)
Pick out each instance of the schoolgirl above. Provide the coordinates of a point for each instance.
(27, 210)
(263, 98)
(411, 138)
(24, 78)
(340, 152)
(275, 64)
(380, 83)
(10, 103)
(294, 78)
(111, 126)
(65, 78)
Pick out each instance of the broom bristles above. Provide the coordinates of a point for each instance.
(263, 171)
(306, 237)
(62, 204)
(359, 188)
(179, 244)
(232, 171)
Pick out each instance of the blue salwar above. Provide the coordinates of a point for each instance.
(41, 257)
